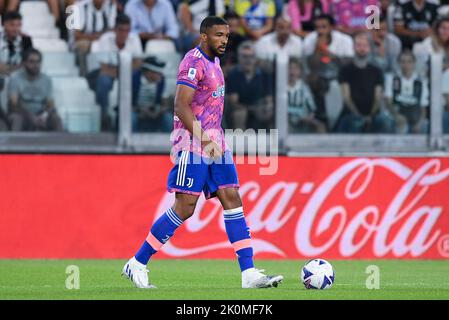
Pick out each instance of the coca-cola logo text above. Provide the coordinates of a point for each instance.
(340, 214)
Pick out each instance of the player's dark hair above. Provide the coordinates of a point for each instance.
(327, 17)
(122, 19)
(12, 15)
(211, 21)
(30, 52)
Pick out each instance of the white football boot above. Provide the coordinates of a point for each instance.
(137, 273)
(254, 278)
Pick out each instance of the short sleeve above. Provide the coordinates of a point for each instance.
(135, 46)
(191, 72)
(379, 77)
(343, 76)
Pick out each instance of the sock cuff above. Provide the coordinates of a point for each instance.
(171, 214)
(241, 244)
(233, 211)
(154, 242)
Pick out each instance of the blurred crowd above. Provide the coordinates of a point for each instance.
(354, 65)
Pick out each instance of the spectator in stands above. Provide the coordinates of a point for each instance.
(385, 47)
(361, 86)
(31, 105)
(97, 17)
(234, 41)
(281, 40)
(407, 96)
(413, 21)
(326, 50)
(13, 43)
(191, 13)
(256, 16)
(301, 106)
(107, 47)
(152, 19)
(152, 110)
(249, 94)
(303, 13)
(350, 16)
(326, 40)
(437, 42)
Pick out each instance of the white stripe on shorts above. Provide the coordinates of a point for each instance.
(182, 166)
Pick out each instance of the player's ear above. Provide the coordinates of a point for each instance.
(203, 36)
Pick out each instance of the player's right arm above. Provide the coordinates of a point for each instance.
(183, 110)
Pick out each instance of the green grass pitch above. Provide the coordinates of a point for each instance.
(220, 279)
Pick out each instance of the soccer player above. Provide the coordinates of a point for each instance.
(203, 161)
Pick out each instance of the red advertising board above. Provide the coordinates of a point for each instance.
(102, 206)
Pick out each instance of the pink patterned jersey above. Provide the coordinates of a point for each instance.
(204, 74)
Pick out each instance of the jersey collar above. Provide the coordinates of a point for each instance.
(205, 55)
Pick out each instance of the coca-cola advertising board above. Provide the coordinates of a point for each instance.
(102, 206)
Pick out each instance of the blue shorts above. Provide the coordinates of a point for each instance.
(194, 174)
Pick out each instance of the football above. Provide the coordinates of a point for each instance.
(317, 274)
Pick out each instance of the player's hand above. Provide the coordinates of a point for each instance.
(212, 149)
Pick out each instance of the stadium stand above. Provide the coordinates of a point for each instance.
(76, 104)
(74, 96)
(38, 22)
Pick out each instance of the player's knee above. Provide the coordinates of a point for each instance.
(185, 210)
(231, 198)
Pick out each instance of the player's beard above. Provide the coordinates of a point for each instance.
(216, 52)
